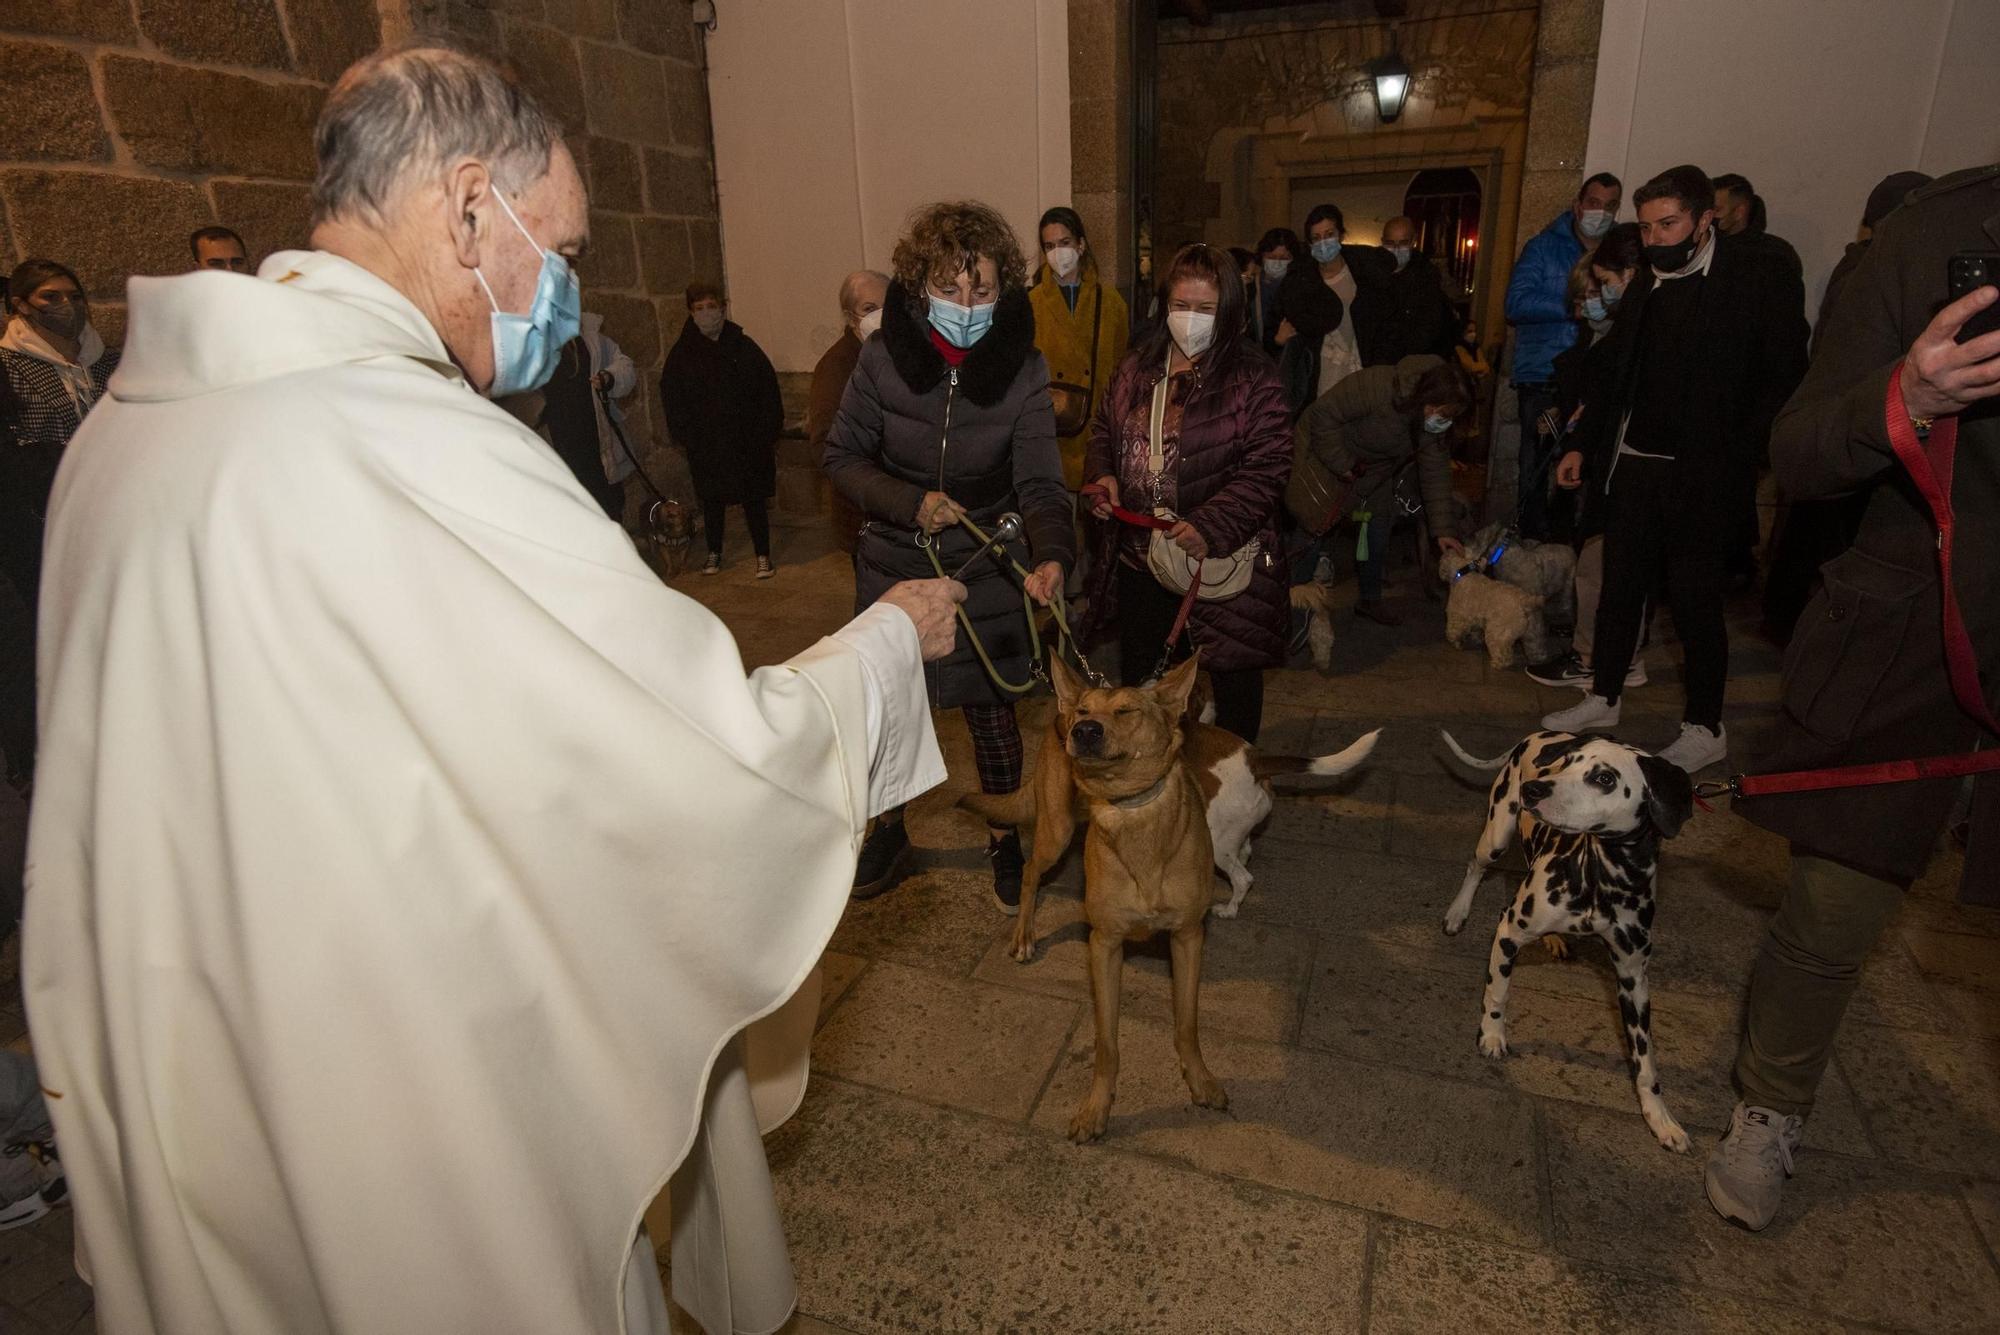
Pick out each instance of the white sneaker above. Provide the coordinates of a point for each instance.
(712, 566)
(1697, 748)
(1593, 712)
(1748, 1168)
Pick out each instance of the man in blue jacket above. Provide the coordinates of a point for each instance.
(1544, 326)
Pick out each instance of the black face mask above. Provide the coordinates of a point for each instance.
(66, 321)
(1674, 258)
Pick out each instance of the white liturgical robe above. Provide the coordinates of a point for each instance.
(405, 856)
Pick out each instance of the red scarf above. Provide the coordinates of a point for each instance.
(952, 353)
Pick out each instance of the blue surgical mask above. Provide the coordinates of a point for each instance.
(1326, 250)
(1613, 294)
(1275, 269)
(525, 347)
(1595, 311)
(1594, 223)
(962, 326)
(1436, 424)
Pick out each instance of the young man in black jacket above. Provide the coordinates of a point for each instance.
(1703, 361)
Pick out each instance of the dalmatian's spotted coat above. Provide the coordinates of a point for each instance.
(1593, 813)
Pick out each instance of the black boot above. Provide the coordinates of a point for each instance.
(884, 857)
(1005, 853)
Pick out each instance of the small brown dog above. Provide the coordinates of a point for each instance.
(1146, 859)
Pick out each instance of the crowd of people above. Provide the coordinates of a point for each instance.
(1162, 486)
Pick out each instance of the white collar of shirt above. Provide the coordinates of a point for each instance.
(1698, 265)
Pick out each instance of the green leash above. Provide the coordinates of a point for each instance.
(1058, 608)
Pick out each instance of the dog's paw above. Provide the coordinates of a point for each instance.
(1225, 910)
(1023, 947)
(1454, 923)
(1207, 1092)
(1557, 947)
(1088, 1122)
(1667, 1130)
(1493, 1039)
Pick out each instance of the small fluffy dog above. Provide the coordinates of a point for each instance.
(1312, 600)
(1482, 608)
(1593, 813)
(1547, 569)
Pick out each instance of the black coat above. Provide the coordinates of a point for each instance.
(1420, 319)
(1315, 311)
(1749, 352)
(1864, 675)
(985, 435)
(723, 408)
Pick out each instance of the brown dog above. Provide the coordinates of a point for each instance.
(1146, 859)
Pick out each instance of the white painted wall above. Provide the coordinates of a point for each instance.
(835, 118)
(1814, 100)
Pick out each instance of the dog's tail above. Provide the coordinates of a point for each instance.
(1007, 810)
(1467, 757)
(1325, 767)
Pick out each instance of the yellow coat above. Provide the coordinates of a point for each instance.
(1063, 336)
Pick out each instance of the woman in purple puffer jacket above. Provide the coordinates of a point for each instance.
(1228, 453)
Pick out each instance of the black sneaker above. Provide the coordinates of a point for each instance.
(1567, 670)
(884, 857)
(1005, 853)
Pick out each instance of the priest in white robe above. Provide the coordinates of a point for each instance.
(406, 859)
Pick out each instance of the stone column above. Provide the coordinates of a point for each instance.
(1100, 129)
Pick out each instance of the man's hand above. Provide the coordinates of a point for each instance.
(1447, 543)
(937, 511)
(1102, 508)
(1185, 536)
(602, 380)
(931, 605)
(1045, 583)
(1285, 333)
(1942, 376)
(1569, 470)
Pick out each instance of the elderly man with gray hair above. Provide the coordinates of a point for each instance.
(861, 295)
(408, 861)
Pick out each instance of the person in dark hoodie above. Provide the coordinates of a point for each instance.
(1538, 308)
(1421, 318)
(724, 409)
(947, 416)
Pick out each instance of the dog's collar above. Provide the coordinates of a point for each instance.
(1138, 800)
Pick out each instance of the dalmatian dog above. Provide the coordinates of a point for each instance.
(1593, 813)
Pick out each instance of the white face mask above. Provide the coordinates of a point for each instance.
(1594, 223)
(1064, 260)
(1401, 254)
(1192, 331)
(709, 322)
(868, 324)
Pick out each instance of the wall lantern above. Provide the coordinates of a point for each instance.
(1392, 86)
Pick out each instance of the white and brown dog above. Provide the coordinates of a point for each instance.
(1592, 813)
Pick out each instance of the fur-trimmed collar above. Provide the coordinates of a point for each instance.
(989, 368)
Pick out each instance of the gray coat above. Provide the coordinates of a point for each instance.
(984, 434)
(1356, 428)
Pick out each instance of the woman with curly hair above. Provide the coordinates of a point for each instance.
(946, 416)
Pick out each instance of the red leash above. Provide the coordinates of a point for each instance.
(1931, 469)
(1092, 493)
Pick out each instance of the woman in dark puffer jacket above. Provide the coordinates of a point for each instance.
(947, 414)
(1228, 451)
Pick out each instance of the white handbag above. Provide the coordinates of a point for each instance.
(1221, 576)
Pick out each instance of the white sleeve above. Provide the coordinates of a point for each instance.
(904, 759)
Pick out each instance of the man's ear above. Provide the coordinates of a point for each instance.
(1069, 686)
(468, 188)
(1669, 795)
(1173, 689)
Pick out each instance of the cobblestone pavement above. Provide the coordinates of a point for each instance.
(1374, 1172)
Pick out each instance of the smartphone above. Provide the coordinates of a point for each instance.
(1970, 270)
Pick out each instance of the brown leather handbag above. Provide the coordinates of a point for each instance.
(1072, 402)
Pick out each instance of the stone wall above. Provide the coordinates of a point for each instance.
(129, 123)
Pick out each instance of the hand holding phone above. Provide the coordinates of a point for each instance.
(1950, 367)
